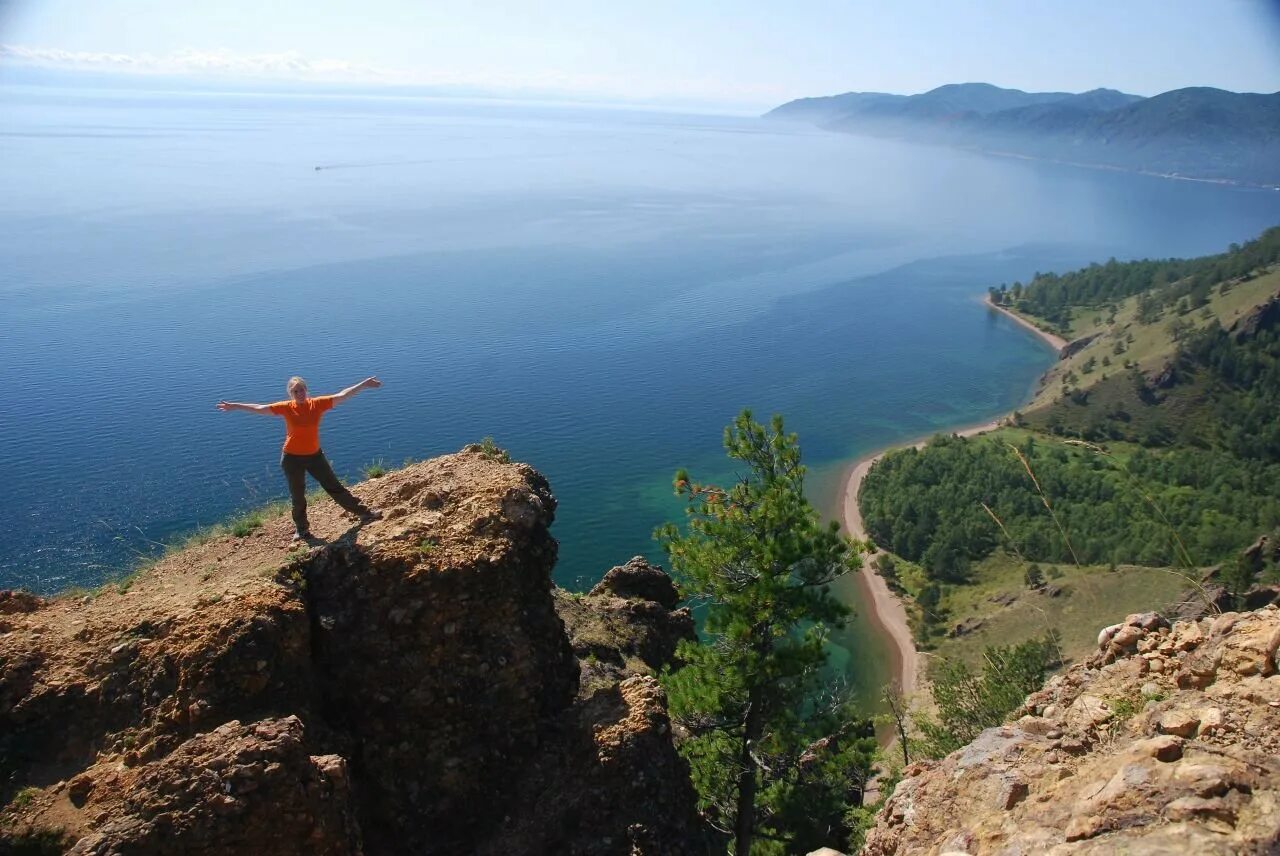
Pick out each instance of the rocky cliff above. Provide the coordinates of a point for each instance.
(1166, 742)
(407, 687)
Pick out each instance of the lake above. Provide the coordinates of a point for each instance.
(600, 290)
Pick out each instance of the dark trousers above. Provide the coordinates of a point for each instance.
(296, 468)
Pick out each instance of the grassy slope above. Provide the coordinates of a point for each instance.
(1152, 343)
(1175, 414)
(1093, 595)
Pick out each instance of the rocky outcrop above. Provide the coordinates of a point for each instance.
(408, 686)
(1166, 742)
(1164, 377)
(1211, 596)
(1075, 346)
(1262, 553)
(625, 625)
(438, 650)
(1260, 318)
(638, 580)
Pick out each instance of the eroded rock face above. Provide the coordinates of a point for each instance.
(407, 687)
(610, 784)
(137, 674)
(437, 648)
(1166, 742)
(214, 792)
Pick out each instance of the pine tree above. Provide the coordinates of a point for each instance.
(968, 701)
(1239, 576)
(774, 760)
(1034, 577)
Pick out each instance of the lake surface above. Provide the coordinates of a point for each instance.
(599, 290)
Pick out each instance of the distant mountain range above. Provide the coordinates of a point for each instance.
(1198, 132)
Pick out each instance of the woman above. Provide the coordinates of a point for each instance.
(302, 452)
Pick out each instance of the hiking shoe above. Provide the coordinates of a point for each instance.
(303, 537)
(369, 515)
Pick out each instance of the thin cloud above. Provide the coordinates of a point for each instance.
(289, 64)
(295, 66)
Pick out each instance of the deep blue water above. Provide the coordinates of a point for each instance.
(599, 290)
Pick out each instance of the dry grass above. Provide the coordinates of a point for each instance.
(1093, 596)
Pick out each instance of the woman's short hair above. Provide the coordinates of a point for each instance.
(294, 381)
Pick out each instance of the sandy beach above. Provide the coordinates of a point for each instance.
(1053, 340)
(884, 609)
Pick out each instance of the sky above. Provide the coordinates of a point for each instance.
(732, 52)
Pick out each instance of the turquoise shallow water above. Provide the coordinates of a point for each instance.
(601, 291)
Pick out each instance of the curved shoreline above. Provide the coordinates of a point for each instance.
(1052, 339)
(886, 612)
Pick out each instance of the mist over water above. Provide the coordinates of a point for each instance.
(601, 291)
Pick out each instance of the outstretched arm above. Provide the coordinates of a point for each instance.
(367, 383)
(264, 409)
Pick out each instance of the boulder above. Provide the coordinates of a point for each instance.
(639, 579)
(241, 788)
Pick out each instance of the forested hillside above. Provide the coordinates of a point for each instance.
(958, 499)
(1054, 298)
(1155, 440)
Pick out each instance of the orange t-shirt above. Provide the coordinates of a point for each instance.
(302, 423)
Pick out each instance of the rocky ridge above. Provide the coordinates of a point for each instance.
(408, 686)
(1167, 741)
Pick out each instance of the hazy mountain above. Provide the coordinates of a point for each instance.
(1100, 99)
(958, 98)
(824, 108)
(1195, 132)
(949, 100)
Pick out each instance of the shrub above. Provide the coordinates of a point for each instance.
(967, 702)
(24, 797)
(1034, 577)
(246, 525)
(1123, 708)
(490, 450)
(124, 583)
